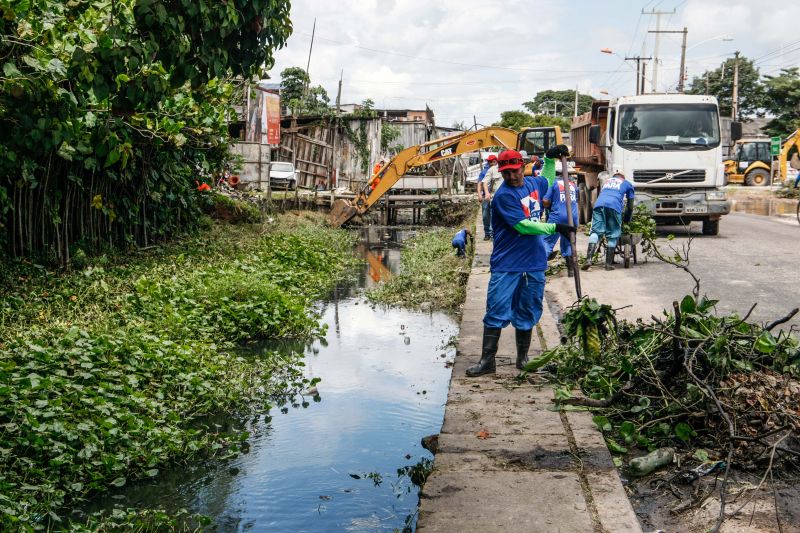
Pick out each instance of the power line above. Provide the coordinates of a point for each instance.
(458, 63)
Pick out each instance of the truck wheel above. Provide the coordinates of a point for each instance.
(757, 178)
(711, 227)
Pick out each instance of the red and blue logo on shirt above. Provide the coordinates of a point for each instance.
(531, 205)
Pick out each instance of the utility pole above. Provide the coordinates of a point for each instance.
(576, 102)
(639, 71)
(682, 73)
(308, 63)
(644, 77)
(735, 99)
(658, 41)
(334, 175)
(706, 83)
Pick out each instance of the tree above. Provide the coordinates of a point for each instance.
(720, 84)
(517, 120)
(299, 97)
(459, 125)
(293, 84)
(110, 113)
(389, 134)
(367, 109)
(559, 103)
(783, 101)
(545, 120)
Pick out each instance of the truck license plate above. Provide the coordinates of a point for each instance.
(697, 209)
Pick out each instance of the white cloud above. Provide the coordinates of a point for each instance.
(406, 53)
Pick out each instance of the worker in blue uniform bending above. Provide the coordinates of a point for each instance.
(554, 200)
(607, 217)
(518, 262)
(459, 242)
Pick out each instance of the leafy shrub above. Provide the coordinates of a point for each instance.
(110, 374)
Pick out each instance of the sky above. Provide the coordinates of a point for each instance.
(470, 58)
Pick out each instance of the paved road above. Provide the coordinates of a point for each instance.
(754, 259)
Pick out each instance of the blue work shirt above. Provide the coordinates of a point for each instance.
(512, 251)
(460, 240)
(483, 172)
(612, 193)
(558, 207)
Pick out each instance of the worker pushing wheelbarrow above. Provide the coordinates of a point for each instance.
(607, 219)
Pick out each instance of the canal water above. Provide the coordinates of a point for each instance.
(333, 465)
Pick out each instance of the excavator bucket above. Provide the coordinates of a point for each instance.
(341, 211)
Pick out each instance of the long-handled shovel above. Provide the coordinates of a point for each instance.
(568, 200)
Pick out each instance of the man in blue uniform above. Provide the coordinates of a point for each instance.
(485, 197)
(554, 200)
(460, 242)
(518, 262)
(607, 216)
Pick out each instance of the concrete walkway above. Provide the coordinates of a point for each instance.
(506, 460)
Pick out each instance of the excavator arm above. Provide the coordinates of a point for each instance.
(416, 156)
(793, 140)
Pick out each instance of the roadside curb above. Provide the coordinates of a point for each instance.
(507, 461)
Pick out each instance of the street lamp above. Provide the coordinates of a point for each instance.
(724, 37)
(682, 74)
(639, 69)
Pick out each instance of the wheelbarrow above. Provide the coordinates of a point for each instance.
(626, 248)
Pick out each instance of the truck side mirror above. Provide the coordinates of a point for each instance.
(736, 131)
(594, 134)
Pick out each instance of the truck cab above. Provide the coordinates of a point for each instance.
(669, 147)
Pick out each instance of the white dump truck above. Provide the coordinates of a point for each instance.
(667, 145)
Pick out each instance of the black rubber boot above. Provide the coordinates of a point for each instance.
(523, 344)
(491, 336)
(570, 272)
(590, 255)
(609, 258)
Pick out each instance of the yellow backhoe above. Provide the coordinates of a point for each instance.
(535, 141)
(751, 159)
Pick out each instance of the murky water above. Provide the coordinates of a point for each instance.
(765, 206)
(332, 466)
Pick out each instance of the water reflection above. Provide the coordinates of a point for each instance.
(384, 386)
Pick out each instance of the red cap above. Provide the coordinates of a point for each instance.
(510, 160)
(492, 157)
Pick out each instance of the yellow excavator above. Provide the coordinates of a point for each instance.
(751, 160)
(535, 141)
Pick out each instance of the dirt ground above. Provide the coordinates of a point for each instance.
(660, 507)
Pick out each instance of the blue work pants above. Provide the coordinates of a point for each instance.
(486, 205)
(514, 298)
(606, 221)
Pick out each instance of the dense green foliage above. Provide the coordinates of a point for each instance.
(109, 374)
(559, 103)
(517, 120)
(299, 96)
(431, 275)
(783, 101)
(112, 110)
(752, 96)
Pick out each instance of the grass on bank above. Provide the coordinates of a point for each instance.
(431, 276)
(107, 373)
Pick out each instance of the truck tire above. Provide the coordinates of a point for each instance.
(757, 178)
(711, 227)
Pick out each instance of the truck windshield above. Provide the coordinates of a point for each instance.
(669, 126)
